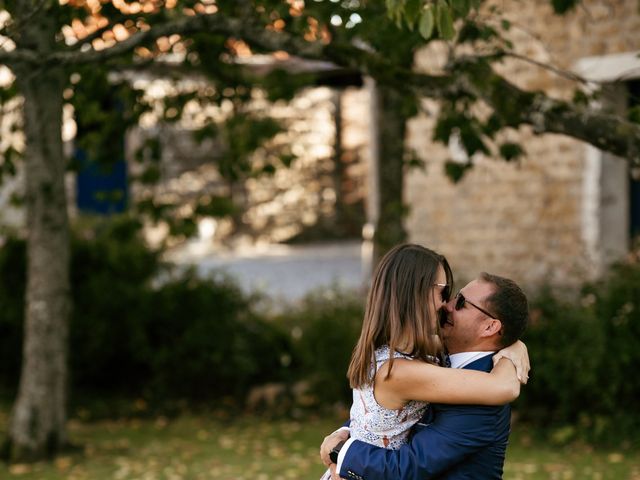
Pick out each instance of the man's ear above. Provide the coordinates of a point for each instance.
(492, 327)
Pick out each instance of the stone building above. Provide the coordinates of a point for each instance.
(560, 214)
(565, 210)
(321, 194)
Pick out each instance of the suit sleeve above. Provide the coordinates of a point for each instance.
(457, 432)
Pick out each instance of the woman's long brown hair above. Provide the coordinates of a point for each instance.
(397, 305)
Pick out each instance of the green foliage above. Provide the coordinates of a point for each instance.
(473, 31)
(429, 13)
(104, 111)
(511, 151)
(12, 288)
(207, 342)
(8, 165)
(564, 6)
(585, 358)
(444, 20)
(111, 271)
(243, 133)
(456, 120)
(581, 98)
(140, 330)
(455, 170)
(634, 114)
(7, 93)
(617, 299)
(9, 156)
(324, 329)
(215, 206)
(567, 347)
(282, 85)
(406, 13)
(459, 22)
(186, 338)
(412, 12)
(427, 22)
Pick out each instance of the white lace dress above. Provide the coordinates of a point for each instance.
(374, 424)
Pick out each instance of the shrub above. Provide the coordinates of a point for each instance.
(206, 341)
(616, 301)
(111, 274)
(187, 338)
(324, 329)
(12, 285)
(566, 344)
(584, 355)
(202, 339)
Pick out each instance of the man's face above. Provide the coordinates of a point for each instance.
(463, 329)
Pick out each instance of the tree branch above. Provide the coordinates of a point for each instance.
(98, 33)
(547, 115)
(469, 76)
(18, 55)
(211, 23)
(608, 132)
(547, 66)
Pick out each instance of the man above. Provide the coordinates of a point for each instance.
(451, 441)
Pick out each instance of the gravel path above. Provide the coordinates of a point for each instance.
(283, 272)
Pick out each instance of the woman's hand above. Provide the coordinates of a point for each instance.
(518, 354)
(330, 441)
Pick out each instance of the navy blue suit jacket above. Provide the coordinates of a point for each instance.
(452, 442)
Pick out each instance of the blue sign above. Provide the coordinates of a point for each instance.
(101, 189)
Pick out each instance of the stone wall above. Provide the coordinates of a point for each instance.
(293, 200)
(533, 221)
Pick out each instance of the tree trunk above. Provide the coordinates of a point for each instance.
(340, 220)
(391, 128)
(37, 426)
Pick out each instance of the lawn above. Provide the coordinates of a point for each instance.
(220, 447)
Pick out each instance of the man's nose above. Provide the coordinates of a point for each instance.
(448, 306)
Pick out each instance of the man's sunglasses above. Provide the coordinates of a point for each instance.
(461, 301)
(446, 291)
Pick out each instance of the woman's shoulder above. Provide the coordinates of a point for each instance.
(384, 353)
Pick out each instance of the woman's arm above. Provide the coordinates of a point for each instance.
(417, 380)
(519, 355)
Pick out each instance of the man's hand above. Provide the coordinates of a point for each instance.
(330, 442)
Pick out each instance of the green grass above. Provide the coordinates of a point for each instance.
(220, 447)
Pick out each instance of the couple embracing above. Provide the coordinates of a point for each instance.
(412, 416)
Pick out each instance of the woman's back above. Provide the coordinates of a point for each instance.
(375, 424)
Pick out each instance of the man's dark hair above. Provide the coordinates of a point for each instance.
(509, 303)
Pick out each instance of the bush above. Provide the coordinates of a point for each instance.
(324, 329)
(187, 338)
(616, 301)
(12, 285)
(202, 339)
(111, 274)
(206, 341)
(566, 344)
(584, 356)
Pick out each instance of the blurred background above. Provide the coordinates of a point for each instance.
(194, 195)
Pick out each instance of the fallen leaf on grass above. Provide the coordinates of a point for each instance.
(63, 463)
(615, 457)
(226, 442)
(19, 469)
